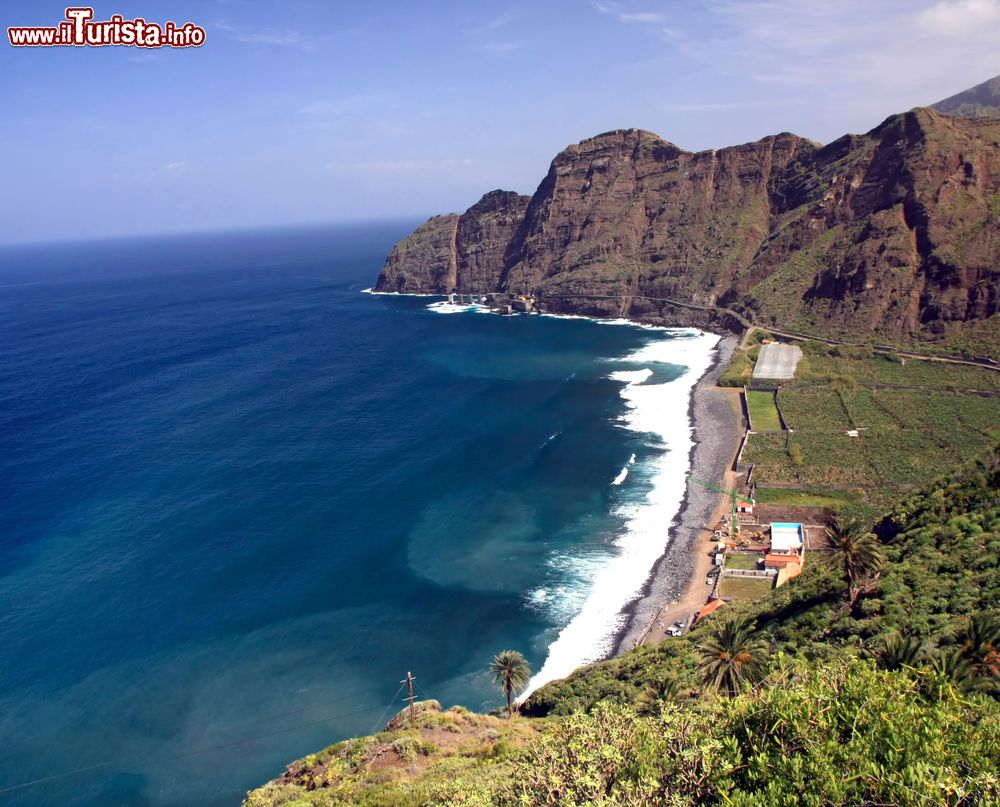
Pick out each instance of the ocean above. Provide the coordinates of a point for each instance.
(240, 498)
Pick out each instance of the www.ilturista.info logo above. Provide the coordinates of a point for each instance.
(79, 29)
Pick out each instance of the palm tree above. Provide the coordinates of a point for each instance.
(951, 670)
(653, 695)
(856, 552)
(731, 656)
(510, 672)
(899, 651)
(980, 640)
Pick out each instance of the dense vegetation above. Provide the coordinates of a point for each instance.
(881, 692)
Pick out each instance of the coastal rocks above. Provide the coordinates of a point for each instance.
(893, 235)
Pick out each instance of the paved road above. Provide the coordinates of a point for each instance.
(749, 326)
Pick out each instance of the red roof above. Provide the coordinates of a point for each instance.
(711, 607)
(780, 560)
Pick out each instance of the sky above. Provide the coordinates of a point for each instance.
(305, 111)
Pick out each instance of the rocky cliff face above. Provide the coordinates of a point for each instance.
(893, 235)
(456, 253)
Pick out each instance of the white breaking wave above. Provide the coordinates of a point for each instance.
(445, 307)
(660, 410)
(621, 476)
(371, 290)
(631, 460)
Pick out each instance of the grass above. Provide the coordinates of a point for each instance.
(740, 369)
(746, 588)
(741, 560)
(763, 411)
(792, 497)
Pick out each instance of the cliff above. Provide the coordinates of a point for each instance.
(456, 253)
(892, 236)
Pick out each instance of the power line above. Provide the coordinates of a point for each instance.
(381, 720)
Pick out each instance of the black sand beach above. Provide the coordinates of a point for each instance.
(716, 435)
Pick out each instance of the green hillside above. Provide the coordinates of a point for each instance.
(891, 696)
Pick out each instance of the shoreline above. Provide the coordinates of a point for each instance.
(674, 580)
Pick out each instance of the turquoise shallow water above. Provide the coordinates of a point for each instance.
(239, 499)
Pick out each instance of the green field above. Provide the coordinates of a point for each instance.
(763, 412)
(742, 560)
(904, 436)
(793, 497)
(745, 588)
(829, 364)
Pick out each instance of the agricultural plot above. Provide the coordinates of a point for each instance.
(865, 411)
(906, 438)
(905, 457)
(768, 453)
(915, 421)
(763, 411)
(745, 588)
(832, 459)
(814, 410)
(981, 415)
(791, 497)
(823, 364)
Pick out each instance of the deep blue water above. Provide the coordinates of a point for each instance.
(239, 499)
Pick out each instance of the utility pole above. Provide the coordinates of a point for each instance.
(409, 684)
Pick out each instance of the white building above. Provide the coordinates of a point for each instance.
(786, 538)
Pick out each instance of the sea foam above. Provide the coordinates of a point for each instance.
(660, 411)
(444, 307)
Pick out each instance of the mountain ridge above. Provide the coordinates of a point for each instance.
(892, 235)
(981, 101)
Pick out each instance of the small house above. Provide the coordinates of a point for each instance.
(786, 539)
(787, 552)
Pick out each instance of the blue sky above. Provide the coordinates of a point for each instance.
(318, 110)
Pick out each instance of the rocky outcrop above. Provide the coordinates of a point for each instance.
(456, 253)
(424, 261)
(893, 235)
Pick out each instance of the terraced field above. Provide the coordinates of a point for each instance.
(867, 445)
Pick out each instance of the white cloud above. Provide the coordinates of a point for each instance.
(648, 20)
(646, 17)
(960, 17)
(496, 22)
(285, 38)
(176, 167)
(865, 59)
